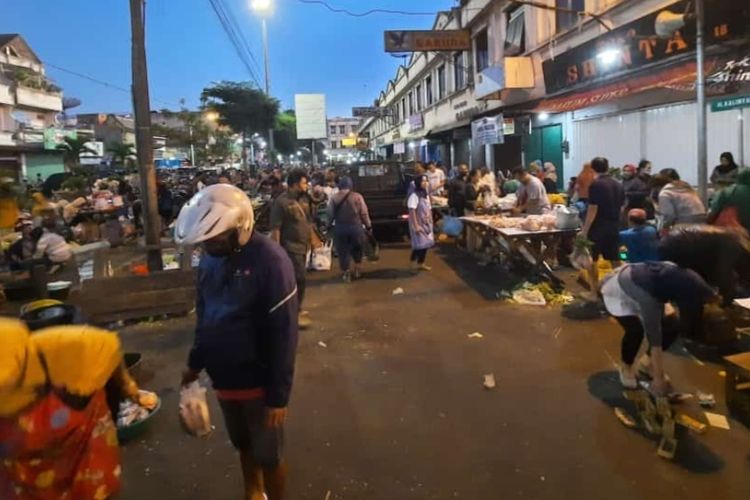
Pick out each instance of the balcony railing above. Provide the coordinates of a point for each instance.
(6, 138)
(6, 95)
(38, 99)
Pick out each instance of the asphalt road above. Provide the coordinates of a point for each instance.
(388, 403)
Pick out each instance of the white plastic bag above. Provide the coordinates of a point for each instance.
(194, 410)
(320, 258)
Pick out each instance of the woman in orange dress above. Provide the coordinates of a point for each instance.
(57, 437)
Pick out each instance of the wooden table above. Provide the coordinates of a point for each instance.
(737, 389)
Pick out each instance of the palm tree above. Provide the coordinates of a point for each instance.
(121, 152)
(72, 149)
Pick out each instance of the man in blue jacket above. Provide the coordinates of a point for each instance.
(246, 331)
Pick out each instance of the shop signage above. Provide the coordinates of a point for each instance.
(472, 111)
(416, 122)
(427, 41)
(738, 102)
(396, 135)
(509, 126)
(488, 130)
(53, 137)
(635, 45)
(367, 112)
(399, 148)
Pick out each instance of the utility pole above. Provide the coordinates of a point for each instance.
(143, 140)
(266, 65)
(700, 90)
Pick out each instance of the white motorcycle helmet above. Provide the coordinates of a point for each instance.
(213, 211)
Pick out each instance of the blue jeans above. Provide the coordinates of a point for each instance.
(349, 239)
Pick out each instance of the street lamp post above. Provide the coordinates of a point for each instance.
(700, 90)
(263, 7)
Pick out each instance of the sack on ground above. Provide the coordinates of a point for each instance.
(194, 410)
(452, 226)
(320, 258)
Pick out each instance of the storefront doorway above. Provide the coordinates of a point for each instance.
(546, 144)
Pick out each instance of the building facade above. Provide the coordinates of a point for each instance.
(565, 87)
(342, 138)
(29, 107)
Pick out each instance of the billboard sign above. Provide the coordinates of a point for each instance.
(311, 116)
(427, 41)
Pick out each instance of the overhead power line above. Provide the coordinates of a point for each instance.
(367, 12)
(101, 82)
(233, 21)
(226, 24)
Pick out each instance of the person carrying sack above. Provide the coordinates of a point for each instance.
(347, 212)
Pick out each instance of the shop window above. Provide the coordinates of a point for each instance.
(566, 20)
(459, 71)
(482, 51)
(333, 129)
(334, 145)
(403, 109)
(441, 81)
(428, 91)
(342, 129)
(515, 36)
(411, 103)
(419, 97)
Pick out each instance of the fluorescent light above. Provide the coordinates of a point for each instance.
(543, 116)
(609, 56)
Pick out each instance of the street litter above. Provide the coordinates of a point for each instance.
(706, 400)
(322, 344)
(690, 423)
(539, 294)
(398, 291)
(475, 335)
(679, 397)
(489, 381)
(625, 419)
(529, 298)
(717, 420)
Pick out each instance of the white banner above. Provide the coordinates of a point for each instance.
(399, 148)
(488, 130)
(311, 116)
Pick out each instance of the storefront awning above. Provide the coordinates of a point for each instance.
(678, 75)
(722, 78)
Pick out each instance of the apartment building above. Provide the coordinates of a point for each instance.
(342, 137)
(29, 107)
(568, 86)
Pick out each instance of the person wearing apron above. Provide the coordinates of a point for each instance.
(420, 224)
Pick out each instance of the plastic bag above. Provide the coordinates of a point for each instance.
(320, 258)
(371, 247)
(194, 410)
(452, 226)
(581, 258)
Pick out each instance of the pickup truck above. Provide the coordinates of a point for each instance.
(384, 185)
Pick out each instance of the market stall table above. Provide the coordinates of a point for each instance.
(508, 243)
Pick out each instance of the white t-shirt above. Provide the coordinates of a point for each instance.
(436, 179)
(54, 246)
(413, 202)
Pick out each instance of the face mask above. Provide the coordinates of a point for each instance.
(223, 247)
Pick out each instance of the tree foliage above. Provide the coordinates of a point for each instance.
(72, 148)
(121, 152)
(242, 107)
